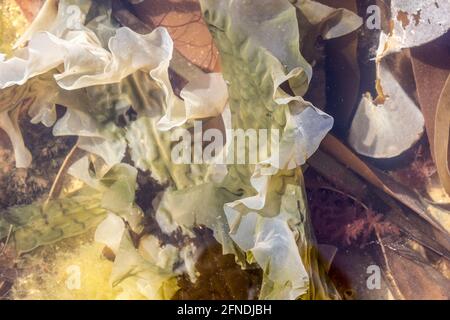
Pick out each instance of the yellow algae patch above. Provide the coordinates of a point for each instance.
(12, 24)
(73, 269)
